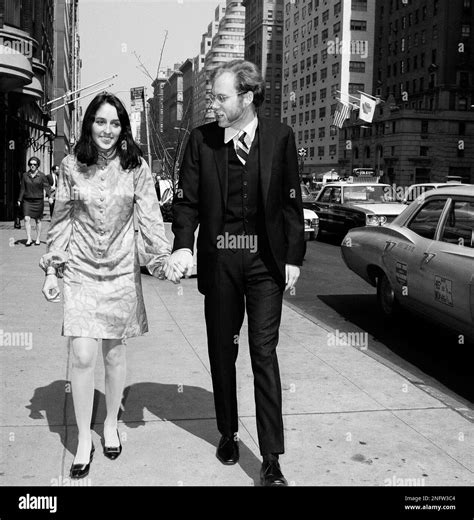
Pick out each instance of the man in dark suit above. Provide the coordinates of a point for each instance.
(53, 182)
(239, 182)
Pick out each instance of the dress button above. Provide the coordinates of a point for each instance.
(102, 178)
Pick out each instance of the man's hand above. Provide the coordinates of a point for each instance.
(50, 200)
(179, 264)
(51, 288)
(292, 273)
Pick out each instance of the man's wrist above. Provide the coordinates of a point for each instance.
(51, 271)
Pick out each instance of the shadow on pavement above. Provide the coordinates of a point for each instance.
(188, 407)
(430, 347)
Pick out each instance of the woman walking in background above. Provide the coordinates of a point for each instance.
(32, 186)
(91, 243)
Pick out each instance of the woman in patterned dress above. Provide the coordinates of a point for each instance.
(91, 244)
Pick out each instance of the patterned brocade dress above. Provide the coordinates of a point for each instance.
(92, 239)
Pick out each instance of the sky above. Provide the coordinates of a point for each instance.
(112, 30)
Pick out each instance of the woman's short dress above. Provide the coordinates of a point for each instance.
(92, 240)
(33, 208)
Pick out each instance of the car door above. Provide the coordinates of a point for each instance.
(322, 207)
(404, 253)
(449, 264)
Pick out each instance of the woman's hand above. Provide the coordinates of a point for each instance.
(51, 288)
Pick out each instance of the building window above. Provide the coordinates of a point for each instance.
(325, 16)
(320, 151)
(315, 58)
(313, 115)
(424, 126)
(358, 25)
(355, 87)
(300, 118)
(424, 151)
(311, 151)
(324, 35)
(293, 119)
(356, 66)
(312, 133)
(332, 150)
(313, 96)
(322, 112)
(465, 30)
(324, 54)
(308, 80)
(337, 8)
(335, 68)
(322, 93)
(321, 132)
(336, 28)
(306, 116)
(332, 130)
(315, 77)
(324, 73)
(359, 5)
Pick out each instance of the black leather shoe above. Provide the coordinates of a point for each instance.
(228, 451)
(271, 475)
(82, 470)
(112, 452)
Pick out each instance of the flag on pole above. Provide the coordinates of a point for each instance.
(367, 107)
(341, 114)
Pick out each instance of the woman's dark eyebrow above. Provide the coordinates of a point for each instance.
(112, 121)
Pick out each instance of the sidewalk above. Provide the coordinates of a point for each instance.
(349, 420)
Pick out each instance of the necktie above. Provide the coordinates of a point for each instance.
(242, 149)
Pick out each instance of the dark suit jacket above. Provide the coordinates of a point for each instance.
(202, 197)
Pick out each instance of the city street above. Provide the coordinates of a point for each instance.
(336, 298)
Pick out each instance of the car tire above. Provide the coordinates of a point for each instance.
(386, 299)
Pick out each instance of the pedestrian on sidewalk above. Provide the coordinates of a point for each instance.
(53, 182)
(91, 243)
(32, 187)
(239, 181)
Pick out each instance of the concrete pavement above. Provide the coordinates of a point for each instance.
(349, 420)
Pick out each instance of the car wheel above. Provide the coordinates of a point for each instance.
(386, 298)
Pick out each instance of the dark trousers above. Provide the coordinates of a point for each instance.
(242, 281)
(51, 209)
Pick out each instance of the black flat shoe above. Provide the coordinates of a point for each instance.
(271, 475)
(82, 470)
(112, 452)
(228, 451)
(28, 244)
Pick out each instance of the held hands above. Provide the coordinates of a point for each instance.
(51, 289)
(292, 273)
(179, 264)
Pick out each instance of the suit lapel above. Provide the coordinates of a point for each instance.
(266, 141)
(220, 156)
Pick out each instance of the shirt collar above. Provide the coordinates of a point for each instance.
(233, 133)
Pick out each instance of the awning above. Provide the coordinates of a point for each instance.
(34, 89)
(15, 69)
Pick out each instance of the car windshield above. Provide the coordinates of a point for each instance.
(378, 194)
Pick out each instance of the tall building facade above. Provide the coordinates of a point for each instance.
(201, 112)
(227, 44)
(264, 47)
(26, 85)
(424, 71)
(328, 54)
(67, 76)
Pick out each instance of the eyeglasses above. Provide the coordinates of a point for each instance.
(221, 99)
(33, 164)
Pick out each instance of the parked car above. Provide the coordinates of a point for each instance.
(423, 260)
(311, 224)
(415, 190)
(343, 205)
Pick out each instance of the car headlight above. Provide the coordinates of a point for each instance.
(382, 220)
(372, 220)
(314, 222)
(307, 222)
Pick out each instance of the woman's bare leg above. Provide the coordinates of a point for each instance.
(84, 356)
(115, 363)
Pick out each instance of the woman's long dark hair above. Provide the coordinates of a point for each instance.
(86, 150)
